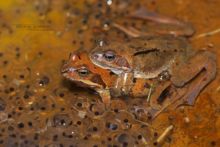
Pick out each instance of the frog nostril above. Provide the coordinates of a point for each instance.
(67, 69)
(64, 70)
(95, 56)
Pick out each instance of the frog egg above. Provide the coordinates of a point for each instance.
(70, 133)
(66, 135)
(142, 134)
(121, 138)
(20, 139)
(43, 81)
(96, 129)
(97, 109)
(112, 125)
(126, 119)
(43, 104)
(60, 92)
(80, 103)
(61, 120)
(2, 104)
(117, 105)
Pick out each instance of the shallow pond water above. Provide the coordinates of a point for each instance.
(38, 107)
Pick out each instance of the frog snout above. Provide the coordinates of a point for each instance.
(64, 70)
(67, 69)
(96, 56)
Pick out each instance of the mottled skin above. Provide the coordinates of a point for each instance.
(148, 57)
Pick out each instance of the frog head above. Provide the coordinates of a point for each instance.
(114, 57)
(81, 71)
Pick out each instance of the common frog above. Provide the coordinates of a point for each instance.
(80, 70)
(162, 57)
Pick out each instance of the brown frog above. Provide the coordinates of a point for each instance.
(159, 57)
(80, 70)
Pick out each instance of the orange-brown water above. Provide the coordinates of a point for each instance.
(39, 108)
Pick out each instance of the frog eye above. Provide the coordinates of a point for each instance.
(109, 55)
(83, 72)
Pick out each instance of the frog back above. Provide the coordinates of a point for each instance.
(156, 54)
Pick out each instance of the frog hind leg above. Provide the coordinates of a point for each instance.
(195, 74)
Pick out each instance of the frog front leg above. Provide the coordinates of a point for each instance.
(105, 95)
(125, 82)
(196, 73)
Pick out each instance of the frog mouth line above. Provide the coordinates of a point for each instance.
(81, 83)
(66, 71)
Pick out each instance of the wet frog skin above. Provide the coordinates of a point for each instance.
(151, 56)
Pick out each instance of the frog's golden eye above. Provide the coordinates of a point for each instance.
(83, 72)
(109, 55)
